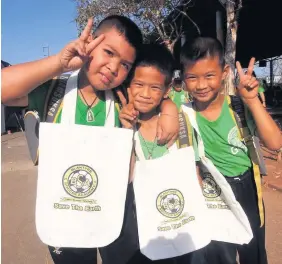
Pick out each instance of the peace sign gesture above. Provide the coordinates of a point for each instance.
(76, 53)
(128, 116)
(248, 84)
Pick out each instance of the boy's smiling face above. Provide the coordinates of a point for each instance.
(204, 77)
(110, 62)
(148, 88)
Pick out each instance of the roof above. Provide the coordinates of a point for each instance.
(259, 30)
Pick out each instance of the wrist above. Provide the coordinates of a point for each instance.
(58, 66)
(254, 102)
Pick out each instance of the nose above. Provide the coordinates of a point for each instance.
(202, 84)
(113, 67)
(145, 92)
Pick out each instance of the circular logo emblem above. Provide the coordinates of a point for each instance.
(80, 181)
(170, 203)
(210, 187)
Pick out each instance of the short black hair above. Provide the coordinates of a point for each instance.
(200, 48)
(125, 26)
(156, 55)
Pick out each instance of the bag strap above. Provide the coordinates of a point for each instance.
(185, 138)
(54, 98)
(238, 113)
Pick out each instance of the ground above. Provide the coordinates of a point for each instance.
(20, 243)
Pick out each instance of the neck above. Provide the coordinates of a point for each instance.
(150, 117)
(214, 103)
(148, 125)
(89, 92)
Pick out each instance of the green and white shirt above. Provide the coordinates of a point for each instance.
(149, 147)
(38, 96)
(222, 144)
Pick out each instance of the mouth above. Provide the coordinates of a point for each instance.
(143, 103)
(202, 94)
(105, 79)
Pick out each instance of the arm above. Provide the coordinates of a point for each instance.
(168, 125)
(19, 80)
(248, 87)
(267, 129)
(20, 102)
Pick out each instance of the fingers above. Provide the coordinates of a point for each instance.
(253, 83)
(172, 140)
(77, 47)
(121, 97)
(127, 116)
(87, 30)
(251, 66)
(125, 123)
(130, 96)
(129, 109)
(239, 69)
(94, 43)
(159, 133)
(163, 137)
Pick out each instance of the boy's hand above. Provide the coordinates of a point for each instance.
(128, 116)
(168, 125)
(76, 53)
(248, 85)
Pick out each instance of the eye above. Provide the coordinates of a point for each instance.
(138, 84)
(110, 53)
(210, 75)
(156, 88)
(191, 78)
(126, 66)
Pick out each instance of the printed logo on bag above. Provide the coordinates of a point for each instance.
(170, 203)
(210, 187)
(80, 181)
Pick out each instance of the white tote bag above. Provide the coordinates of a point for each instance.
(169, 204)
(82, 178)
(226, 218)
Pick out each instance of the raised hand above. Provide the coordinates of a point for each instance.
(128, 116)
(248, 84)
(76, 53)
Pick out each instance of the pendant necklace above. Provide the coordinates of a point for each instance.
(150, 151)
(89, 113)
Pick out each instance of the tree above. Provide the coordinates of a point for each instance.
(232, 12)
(160, 18)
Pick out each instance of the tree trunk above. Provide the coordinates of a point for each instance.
(230, 47)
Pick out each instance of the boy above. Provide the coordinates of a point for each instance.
(178, 94)
(203, 70)
(105, 59)
(149, 85)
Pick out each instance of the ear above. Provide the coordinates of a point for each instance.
(226, 70)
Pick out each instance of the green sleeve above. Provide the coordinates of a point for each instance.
(117, 122)
(261, 89)
(36, 98)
